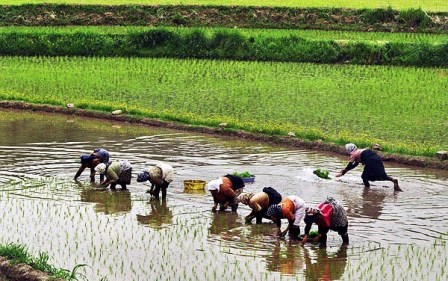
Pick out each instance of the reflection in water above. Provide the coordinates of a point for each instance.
(372, 202)
(325, 266)
(108, 202)
(159, 217)
(285, 259)
(39, 157)
(223, 222)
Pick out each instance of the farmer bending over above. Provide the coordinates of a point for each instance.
(117, 172)
(373, 166)
(327, 215)
(160, 176)
(225, 191)
(98, 156)
(291, 208)
(259, 203)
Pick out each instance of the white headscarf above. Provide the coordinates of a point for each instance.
(350, 147)
(100, 168)
(214, 184)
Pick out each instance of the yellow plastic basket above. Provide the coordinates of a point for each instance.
(194, 184)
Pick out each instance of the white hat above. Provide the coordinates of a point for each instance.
(350, 147)
(100, 168)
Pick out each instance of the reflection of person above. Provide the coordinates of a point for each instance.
(160, 176)
(286, 261)
(160, 215)
(259, 203)
(373, 166)
(117, 172)
(372, 202)
(98, 156)
(107, 202)
(327, 215)
(225, 191)
(325, 267)
(291, 208)
(222, 222)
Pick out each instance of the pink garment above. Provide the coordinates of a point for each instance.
(355, 155)
(326, 210)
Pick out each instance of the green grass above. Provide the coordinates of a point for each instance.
(429, 5)
(16, 253)
(402, 109)
(247, 32)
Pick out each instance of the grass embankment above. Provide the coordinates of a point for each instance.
(404, 108)
(18, 254)
(430, 5)
(256, 45)
(388, 20)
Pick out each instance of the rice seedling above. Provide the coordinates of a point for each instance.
(336, 104)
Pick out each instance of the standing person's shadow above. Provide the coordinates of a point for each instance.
(108, 202)
(325, 266)
(160, 215)
(286, 259)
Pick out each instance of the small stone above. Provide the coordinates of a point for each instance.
(70, 105)
(376, 146)
(222, 125)
(442, 155)
(291, 134)
(117, 112)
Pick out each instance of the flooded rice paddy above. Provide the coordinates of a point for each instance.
(123, 235)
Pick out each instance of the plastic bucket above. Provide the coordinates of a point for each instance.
(194, 184)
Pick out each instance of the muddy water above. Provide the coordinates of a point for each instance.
(123, 235)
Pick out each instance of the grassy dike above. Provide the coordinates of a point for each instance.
(221, 44)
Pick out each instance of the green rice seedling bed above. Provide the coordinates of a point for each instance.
(402, 109)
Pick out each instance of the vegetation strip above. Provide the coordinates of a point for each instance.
(219, 44)
(17, 264)
(417, 161)
(338, 36)
(430, 5)
(389, 20)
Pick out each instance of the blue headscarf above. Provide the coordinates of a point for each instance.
(274, 211)
(86, 159)
(143, 176)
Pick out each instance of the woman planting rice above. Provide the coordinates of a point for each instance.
(98, 156)
(373, 166)
(259, 203)
(291, 208)
(225, 191)
(327, 215)
(117, 172)
(160, 176)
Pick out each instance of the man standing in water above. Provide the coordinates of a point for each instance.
(373, 166)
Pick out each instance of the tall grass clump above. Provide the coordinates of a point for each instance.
(376, 16)
(17, 253)
(415, 18)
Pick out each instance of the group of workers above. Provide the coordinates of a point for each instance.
(120, 172)
(228, 191)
